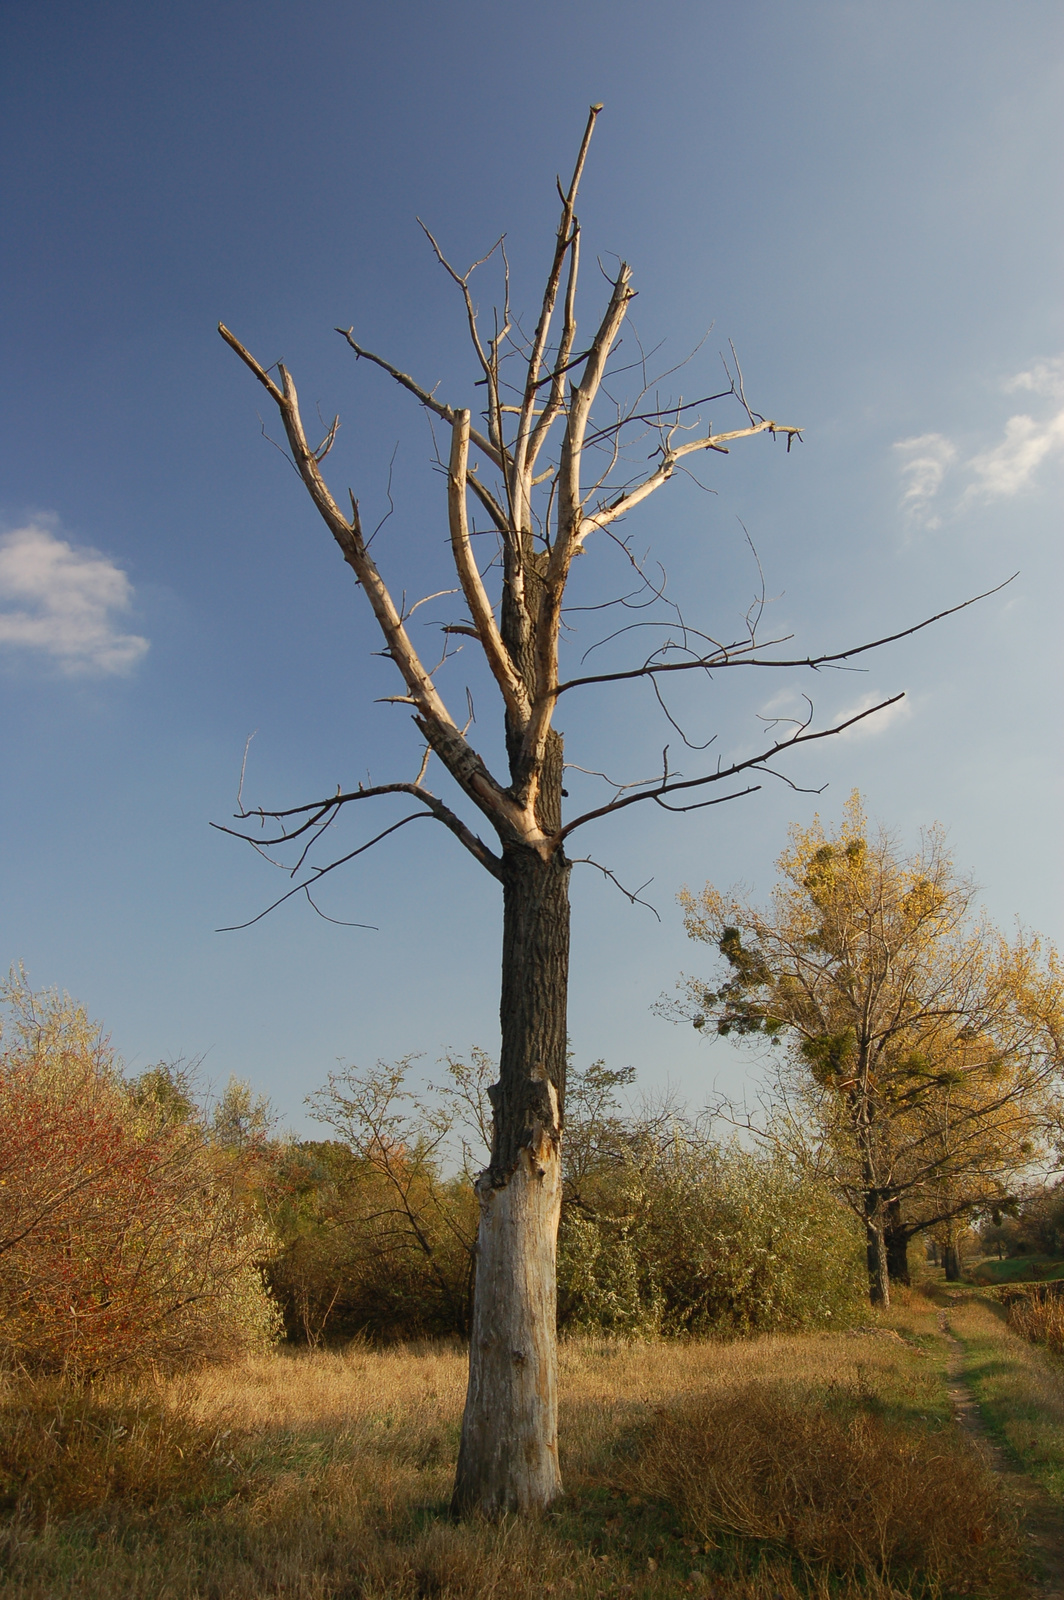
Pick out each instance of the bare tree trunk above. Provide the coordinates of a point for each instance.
(508, 1458)
(878, 1273)
(874, 1209)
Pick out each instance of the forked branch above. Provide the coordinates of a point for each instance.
(317, 813)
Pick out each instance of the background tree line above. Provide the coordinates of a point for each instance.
(140, 1228)
(914, 1089)
(664, 1230)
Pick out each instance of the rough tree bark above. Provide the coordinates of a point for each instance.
(539, 519)
(508, 1459)
(897, 1243)
(876, 1251)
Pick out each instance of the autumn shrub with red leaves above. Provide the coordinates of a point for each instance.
(126, 1235)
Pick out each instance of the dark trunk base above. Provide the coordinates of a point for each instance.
(898, 1255)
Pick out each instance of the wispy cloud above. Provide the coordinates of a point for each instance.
(1045, 377)
(872, 727)
(1011, 465)
(998, 472)
(925, 461)
(64, 604)
(787, 710)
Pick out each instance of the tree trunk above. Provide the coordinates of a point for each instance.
(878, 1273)
(874, 1219)
(951, 1256)
(897, 1245)
(508, 1457)
(876, 1247)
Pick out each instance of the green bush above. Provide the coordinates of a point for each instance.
(666, 1231)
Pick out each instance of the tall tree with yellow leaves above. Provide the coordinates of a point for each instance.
(922, 1047)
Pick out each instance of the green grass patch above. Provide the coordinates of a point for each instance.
(1020, 1269)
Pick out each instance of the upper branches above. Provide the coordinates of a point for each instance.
(547, 397)
(431, 714)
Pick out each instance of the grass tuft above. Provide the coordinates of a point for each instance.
(1038, 1315)
(828, 1481)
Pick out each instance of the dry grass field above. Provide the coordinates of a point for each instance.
(815, 1465)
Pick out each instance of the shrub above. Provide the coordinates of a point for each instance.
(666, 1231)
(1036, 1312)
(126, 1237)
(368, 1251)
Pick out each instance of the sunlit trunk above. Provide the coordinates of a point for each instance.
(508, 1458)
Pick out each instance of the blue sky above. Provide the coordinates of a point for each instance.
(865, 198)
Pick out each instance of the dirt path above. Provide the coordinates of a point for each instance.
(1041, 1519)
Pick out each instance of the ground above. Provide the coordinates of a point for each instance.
(326, 1475)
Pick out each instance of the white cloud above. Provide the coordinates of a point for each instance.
(1045, 377)
(1011, 465)
(1003, 470)
(925, 461)
(64, 603)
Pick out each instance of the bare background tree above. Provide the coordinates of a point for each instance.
(556, 462)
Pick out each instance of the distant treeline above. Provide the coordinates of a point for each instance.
(664, 1230)
(140, 1228)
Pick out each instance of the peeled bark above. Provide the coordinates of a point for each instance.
(508, 1457)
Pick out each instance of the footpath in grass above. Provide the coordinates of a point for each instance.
(824, 1466)
(1018, 1387)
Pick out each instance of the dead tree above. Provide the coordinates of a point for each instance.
(542, 516)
